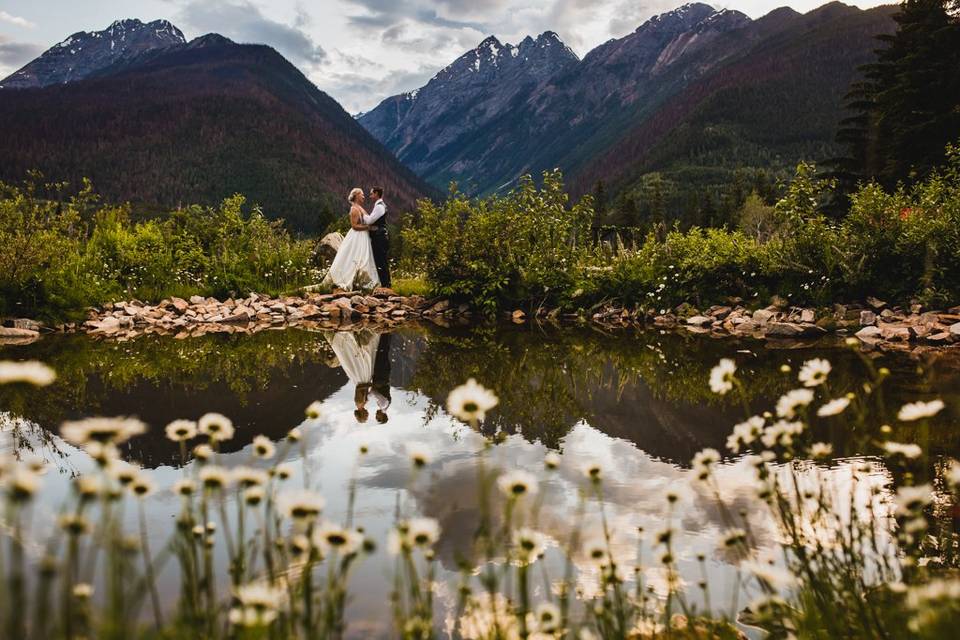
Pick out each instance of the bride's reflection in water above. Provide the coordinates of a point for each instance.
(364, 357)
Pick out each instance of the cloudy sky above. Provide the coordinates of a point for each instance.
(359, 51)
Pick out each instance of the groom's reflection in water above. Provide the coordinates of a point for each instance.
(364, 357)
(381, 378)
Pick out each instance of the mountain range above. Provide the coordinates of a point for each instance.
(690, 99)
(693, 93)
(158, 121)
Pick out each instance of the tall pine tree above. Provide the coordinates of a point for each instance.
(907, 107)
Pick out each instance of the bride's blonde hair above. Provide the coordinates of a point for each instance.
(353, 194)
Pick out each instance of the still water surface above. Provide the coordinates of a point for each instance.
(638, 403)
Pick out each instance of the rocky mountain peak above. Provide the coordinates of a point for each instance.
(85, 52)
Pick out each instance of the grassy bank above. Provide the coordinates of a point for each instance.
(531, 248)
(63, 250)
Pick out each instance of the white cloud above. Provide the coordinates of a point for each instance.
(16, 20)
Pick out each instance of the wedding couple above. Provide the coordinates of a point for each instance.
(362, 259)
(365, 357)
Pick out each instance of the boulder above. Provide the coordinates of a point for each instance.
(24, 323)
(895, 333)
(807, 315)
(699, 321)
(869, 334)
(16, 332)
(180, 304)
(793, 330)
(763, 316)
(867, 318)
(954, 330)
(876, 303)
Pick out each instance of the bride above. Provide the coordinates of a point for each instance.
(354, 264)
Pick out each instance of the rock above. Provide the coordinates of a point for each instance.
(895, 334)
(886, 314)
(807, 315)
(876, 303)
(745, 327)
(325, 250)
(441, 306)
(16, 332)
(763, 316)
(518, 315)
(867, 318)
(105, 325)
(24, 323)
(939, 338)
(197, 299)
(180, 304)
(793, 330)
(239, 316)
(954, 330)
(665, 321)
(719, 311)
(700, 321)
(869, 334)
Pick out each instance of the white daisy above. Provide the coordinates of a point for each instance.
(184, 487)
(517, 484)
(833, 407)
(314, 410)
(419, 455)
(181, 430)
(721, 376)
(821, 450)
(918, 410)
(529, 544)
(214, 478)
(257, 605)
(247, 477)
(909, 451)
(471, 401)
(215, 426)
(547, 618)
(102, 430)
(302, 506)
(29, 372)
(789, 402)
(814, 372)
(263, 448)
(551, 460)
(332, 537)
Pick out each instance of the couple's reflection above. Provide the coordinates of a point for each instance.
(365, 357)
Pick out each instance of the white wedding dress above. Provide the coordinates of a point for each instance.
(354, 264)
(356, 353)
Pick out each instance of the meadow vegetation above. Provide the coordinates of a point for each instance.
(530, 248)
(873, 556)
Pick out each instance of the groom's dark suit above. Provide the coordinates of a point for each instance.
(380, 239)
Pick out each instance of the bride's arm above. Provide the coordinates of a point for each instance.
(356, 221)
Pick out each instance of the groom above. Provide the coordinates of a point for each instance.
(379, 237)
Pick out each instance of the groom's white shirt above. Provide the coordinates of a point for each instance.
(379, 209)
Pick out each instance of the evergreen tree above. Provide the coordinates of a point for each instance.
(907, 107)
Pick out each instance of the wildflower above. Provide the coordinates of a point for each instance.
(781, 433)
(547, 617)
(593, 470)
(104, 455)
(912, 499)
(29, 372)
(303, 506)
(253, 495)
(314, 410)
(184, 487)
(918, 410)
(202, 452)
(721, 376)
(834, 407)
(299, 544)
(821, 450)
(419, 456)
(214, 478)
(952, 474)
(87, 487)
(74, 524)
(423, 532)
(788, 403)
(517, 484)
(23, 484)
(551, 461)
(263, 448)
(814, 372)
(102, 430)
(596, 551)
(142, 486)
(215, 426)
(530, 544)
(332, 537)
(471, 401)
(705, 459)
(283, 471)
(82, 591)
(123, 472)
(294, 435)
(489, 617)
(181, 430)
(734, 537)
(745, 433)
(909, 451)
(257, 605)
(247, 477)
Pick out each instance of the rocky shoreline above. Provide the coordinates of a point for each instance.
(874, 323)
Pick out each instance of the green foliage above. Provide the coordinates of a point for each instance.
(528, 247)
(60, 253)
(517, 247)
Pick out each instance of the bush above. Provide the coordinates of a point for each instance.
(61, 253)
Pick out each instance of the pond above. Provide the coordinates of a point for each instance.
(636, 403)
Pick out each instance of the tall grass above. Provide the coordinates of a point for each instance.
(853, 559)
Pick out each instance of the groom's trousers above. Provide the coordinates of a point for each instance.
(381, 256)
